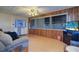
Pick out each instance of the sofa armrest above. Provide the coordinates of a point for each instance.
(21, 43)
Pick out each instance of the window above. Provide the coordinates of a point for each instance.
(58, 22)
(32, 23)
(47, 20)
(59, 19)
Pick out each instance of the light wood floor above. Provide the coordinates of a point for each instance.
(43, 44)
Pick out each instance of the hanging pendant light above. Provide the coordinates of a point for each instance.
(33, 11)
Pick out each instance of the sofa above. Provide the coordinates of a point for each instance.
(17, 43)
(74, 37)
(21, 44)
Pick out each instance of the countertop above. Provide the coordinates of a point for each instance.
(52, 29)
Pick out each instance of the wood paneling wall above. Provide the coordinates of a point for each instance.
(73, 14)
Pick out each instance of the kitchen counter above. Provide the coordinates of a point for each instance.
(50, 29)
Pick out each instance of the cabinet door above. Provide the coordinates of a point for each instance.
(44, 33)
(49, 33)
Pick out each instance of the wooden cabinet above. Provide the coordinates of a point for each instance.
(49, 33)
(43, 32)
(55, 34)
(67, 37)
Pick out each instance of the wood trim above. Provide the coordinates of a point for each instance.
(50, 13)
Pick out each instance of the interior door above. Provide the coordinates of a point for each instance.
(20, 24)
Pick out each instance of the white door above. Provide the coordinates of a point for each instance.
(20, 24)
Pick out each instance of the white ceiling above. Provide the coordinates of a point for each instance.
(21, 10)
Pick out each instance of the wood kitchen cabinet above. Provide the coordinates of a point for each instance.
(48, 33)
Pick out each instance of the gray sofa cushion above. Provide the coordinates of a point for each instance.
(6, 39)
(74, 43)
(2, 46)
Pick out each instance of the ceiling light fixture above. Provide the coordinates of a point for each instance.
(32, 11)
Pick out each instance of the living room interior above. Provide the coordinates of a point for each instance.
(40, 28)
